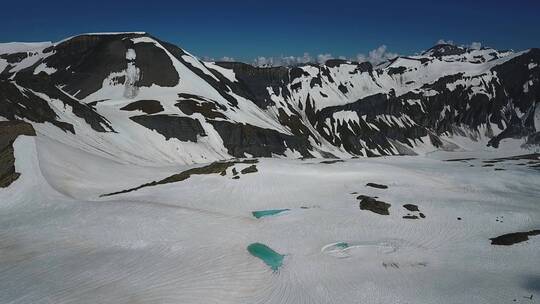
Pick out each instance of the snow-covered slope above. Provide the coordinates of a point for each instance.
(133, 98)
(186, 237)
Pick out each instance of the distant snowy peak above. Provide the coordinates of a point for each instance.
(114, 93)
(440, 50)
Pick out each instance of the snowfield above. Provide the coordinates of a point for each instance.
(187, 241)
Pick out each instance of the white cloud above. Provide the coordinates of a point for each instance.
(305, 59)
(263, 61)
(442, 41)
(476, 45)
(321, 58)
(377, 55)
(282, 60)
(227, 58)
(292, 60)
(212, 59)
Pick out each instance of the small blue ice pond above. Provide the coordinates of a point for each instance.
(265, 253)
(342, 245)
(263, 213)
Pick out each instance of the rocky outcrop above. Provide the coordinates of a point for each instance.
(445, 50)
(181, 128)
(146, 106)
(9, 131)
(254, 82)
(243, 140)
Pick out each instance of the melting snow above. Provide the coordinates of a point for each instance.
(44, 68)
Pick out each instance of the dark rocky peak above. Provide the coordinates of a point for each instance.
(332, 63)
(83, 62)
(440, 50)
(83, 43)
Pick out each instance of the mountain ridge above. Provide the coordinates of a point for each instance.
(205, 111)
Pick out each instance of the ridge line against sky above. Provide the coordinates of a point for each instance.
(259, 32)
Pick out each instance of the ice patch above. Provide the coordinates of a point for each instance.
(366, 248)
(132, 75)
(130, 54)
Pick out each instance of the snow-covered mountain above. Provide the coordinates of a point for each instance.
(135, 98)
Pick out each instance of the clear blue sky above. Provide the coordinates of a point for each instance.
(247, 29)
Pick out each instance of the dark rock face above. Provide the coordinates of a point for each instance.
(513, 74)
(410, 217)
(254, 81)
(513, 238)
(250, 169)
(243, 138)
(378, 186)
(515, 129)
(190, 104)
(181, 128)
(15, 103)
(382, 138)
(90, 58)
(411, 207)
(373, 205)
(343, 89)
(155, 66)
(147, 106)
(329, 162)
(398, 70)
(15, 57)
(296, 125)
(9, 131)
(457, 108)
(86, 112)
(85, 61)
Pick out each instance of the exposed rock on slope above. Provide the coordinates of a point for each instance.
(9, 130)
